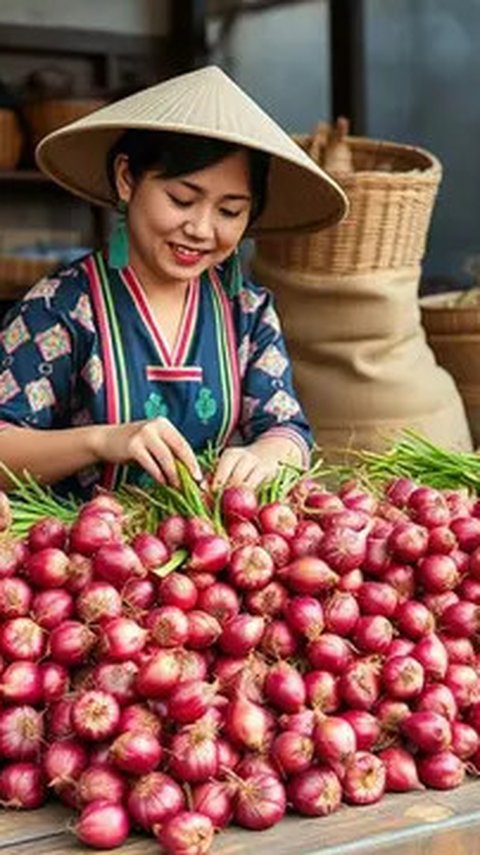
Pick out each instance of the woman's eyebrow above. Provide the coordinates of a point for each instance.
(231, 196)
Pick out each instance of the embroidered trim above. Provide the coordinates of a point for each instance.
(172, 373)
(187, 323)
(228, 359)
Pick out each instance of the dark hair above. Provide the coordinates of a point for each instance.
(176, 154)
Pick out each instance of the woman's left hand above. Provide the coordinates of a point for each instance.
(248, 465)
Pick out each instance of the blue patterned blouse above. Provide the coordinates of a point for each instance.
(83, 347)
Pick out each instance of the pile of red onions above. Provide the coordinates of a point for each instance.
(317, 651)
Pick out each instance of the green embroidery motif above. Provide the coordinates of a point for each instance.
(205, 405)
(146, 481)
(155, 407)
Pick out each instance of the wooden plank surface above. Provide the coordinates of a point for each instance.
(422, 823)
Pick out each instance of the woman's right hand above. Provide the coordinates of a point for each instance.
(154, 444)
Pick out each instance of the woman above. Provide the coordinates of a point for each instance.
(112, 369)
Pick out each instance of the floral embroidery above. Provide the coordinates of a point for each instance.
(249, 301)
(40, 394)
(82, 418)
(146, 481)
(272, 362)
(15, 334)
(92, 373)
(155, 407)
(282, 406)
(270, 317)
(44, 288)
(53, 342)
(205, 405)
(8, 386)
(83, 313)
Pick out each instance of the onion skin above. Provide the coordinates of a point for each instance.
(187, 833)
(315, 792)
(153, 799)
(103, 825)
(261, 802)
(442, 771)
(22, 786)
(365, 779)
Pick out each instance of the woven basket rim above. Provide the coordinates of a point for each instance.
(432, 165)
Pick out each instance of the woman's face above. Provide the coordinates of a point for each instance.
(178, 227)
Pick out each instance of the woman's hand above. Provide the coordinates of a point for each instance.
(154, 444)
(248, 465)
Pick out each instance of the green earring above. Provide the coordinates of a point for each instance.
(118, 240)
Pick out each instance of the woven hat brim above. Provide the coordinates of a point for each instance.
(301, 196)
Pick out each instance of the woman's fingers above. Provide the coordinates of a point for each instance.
(234, 467)
(179, 446)
(149, 464)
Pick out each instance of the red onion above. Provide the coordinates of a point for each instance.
(95, 715)
(101, 781)
(306, 541)
(408, 542)
(437, 573)
(377, 555)
(241, 634)
(80, 572)
(414, 619)
(360, 684)
(137, 752)
(390, 715)
(366, 726)
(190, 700)
(269, 601)
(402, 775)
(442, 771)
(157, 677)
(139, 717)
(467, 532)
(341, 612)
(122, 638)
(277, 547)
(71, 642)
(278, 640)
(173, 532)
(55, 680)
(178, 590)
(241, 532)
(194, 753)
(429, 731)
(209, 554)
(22, 786)
(334, 739)
(63, 762)
(193, 665)
(51, 607)
(277, 518)
(116, 678)
(305, 616)
(285, 688)
(378, 598)
(168, 626)
(152, 551)
(219, 600)
(239, 503)
(116, 563)
(400, 647)
(47, 532)
(215, 800)
(203, 629)
(60, 719)
(462, 618)
(322, 691)
(15, 597)
(21, 733)
(315, 792)
(187, 833)
(153, 799)
(10, 559)
(465, 740)
(365, 779)
(21, 683)
(248, 725)
(403, 677)
(292, 752)
(441, 539)
(330, 653)
(310, 575)
(459, 650)
(255, 764)
(464, 683)
(351, 582)
(373, 633)
(432, 654)
(22, 638)
(343, 549)
(47, 568)
(438, 698)
(261, 802)
(402, 578)
(103, 825)
(251, 567)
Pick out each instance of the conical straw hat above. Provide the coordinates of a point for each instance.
(301, 196)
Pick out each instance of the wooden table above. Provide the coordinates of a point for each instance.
(421, 823)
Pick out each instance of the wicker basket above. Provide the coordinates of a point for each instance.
(391, 188)
(453, 333)
(11, 139)
(45, 116)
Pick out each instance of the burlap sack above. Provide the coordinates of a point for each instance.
(362, 367)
